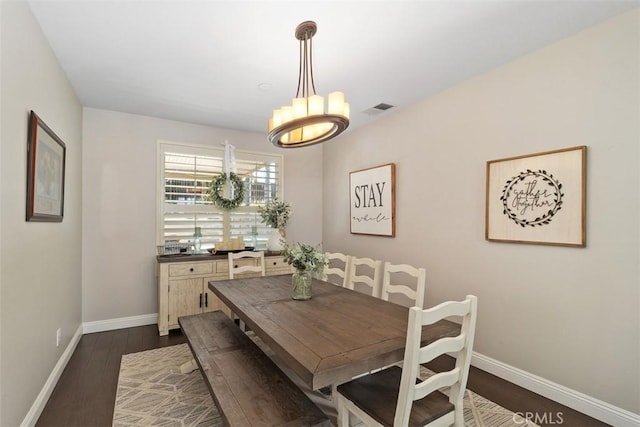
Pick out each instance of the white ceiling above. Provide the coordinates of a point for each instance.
(229, 63)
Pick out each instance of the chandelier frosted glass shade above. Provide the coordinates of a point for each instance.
(306, 121)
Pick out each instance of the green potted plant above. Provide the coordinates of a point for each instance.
(276, 215)
(306, 260)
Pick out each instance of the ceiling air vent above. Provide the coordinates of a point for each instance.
(377, 109)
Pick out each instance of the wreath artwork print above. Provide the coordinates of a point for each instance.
(526, 194)
(217, 186)
(538, 198)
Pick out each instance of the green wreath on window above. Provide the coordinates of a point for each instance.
(216, 186)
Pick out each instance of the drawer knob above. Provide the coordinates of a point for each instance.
(275, 263)
(191, 269)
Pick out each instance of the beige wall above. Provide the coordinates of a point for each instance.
(40, 287)
(119, 203)
(565, 314)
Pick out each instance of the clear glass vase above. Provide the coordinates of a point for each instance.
(301, 281)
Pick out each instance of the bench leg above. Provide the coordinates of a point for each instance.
(190, 366)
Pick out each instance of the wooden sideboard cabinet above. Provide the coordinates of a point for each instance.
(183, 284)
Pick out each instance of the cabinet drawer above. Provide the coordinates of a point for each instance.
(187, 268)
(276, 263)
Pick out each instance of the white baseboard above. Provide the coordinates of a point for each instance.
(588, 405)
(38, 405)
(119, 323)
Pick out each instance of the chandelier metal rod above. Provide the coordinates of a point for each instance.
(305, 68)
(313, 86)
(300, 71)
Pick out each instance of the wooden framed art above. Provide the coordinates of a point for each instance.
(45, 172)
(372, 202)
(538, 198)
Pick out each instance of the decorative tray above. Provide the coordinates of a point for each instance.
(213, 251)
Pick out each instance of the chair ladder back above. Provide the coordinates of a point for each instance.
(374, 281)
(343, 273)
(436, 382)
(456, 378)
(446, 309)
(416, 295)
(442, 346)
(233, 257)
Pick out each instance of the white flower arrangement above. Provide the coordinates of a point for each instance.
(305, 258)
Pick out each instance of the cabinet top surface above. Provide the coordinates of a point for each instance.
(161, 259)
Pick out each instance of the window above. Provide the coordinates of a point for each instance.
(185, 172)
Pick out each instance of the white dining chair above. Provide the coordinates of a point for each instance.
(236, 266)
(396, 280)
(372, 279)
(338, 266)
(396, 397)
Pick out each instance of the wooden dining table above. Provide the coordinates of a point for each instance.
(331, 338)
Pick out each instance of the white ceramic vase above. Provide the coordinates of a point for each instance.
(274, 244)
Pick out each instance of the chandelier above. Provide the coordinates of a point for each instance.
(305, 122)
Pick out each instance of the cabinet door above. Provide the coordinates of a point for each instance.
(214, 303)
(184, 298)
(211, 301)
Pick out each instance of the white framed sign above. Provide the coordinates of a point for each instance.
(538, 198)
(372, 196)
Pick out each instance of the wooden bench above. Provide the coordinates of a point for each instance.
(247, 387)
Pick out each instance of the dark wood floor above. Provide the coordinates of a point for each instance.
(85, 394)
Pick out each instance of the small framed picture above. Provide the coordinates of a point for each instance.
(538, 198)
(45, 172)
(372, 196)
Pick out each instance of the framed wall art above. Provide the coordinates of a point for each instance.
(372, 201)
(538, 198)
(45, 172)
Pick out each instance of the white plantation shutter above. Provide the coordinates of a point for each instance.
(185, 173)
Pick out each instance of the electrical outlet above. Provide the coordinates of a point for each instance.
(58, 336)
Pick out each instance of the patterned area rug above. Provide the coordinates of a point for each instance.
(153, 391)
